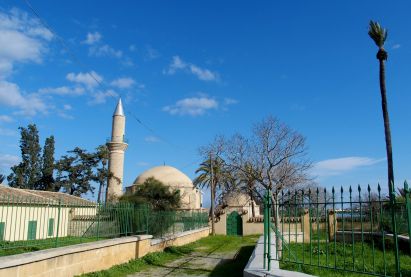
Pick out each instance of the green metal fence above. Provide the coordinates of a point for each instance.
(351, 230)
(33, 223)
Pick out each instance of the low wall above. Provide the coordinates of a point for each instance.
(88, 257)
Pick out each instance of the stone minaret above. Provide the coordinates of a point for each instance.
(116, 146)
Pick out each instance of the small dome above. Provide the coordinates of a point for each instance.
(236, 199)
(168, 175)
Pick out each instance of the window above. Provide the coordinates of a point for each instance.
(2, 230)
(31, 233)
(51, 227)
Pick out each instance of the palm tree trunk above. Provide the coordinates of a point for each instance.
(387, 129)
(212, 209)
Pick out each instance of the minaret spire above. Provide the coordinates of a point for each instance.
(116, 147)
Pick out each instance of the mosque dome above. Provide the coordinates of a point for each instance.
(168, 175)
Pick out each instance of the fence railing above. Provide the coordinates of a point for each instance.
(33, 223)
(351, 230)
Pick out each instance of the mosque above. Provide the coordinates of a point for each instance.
(191, 197)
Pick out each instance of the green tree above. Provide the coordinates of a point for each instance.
(27, 174)
(379, 35)
(75, 172)
(101, 175)
(212, 174)
(47, 171)
(154, 193)
(2, 177)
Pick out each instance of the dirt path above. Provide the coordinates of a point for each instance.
(194, 264)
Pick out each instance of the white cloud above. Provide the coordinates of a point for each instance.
(151, 139)
(192, 106)
(22, 39)
(100, 97)
(132, 48)
(143, 164)
(92, 38)
(67, 107)
(6, 118)
(123, 83)
(28, 104)
(89, 79)
(105, 51)
(7, 161)
(64, 90)
(230, 101)
(396, 46)
(151, 53)
(341, 165)
(201, 73)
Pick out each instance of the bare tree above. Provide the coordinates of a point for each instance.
(275, 157)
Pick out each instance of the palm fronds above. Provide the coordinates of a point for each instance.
(377, 33)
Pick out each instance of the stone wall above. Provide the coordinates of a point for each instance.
(88, 257)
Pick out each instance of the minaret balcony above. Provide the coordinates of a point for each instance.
(117, 139)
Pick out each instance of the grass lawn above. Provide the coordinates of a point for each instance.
(323, 254)
(243, 246)
(11, 248)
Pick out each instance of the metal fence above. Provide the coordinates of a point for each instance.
(33, 223)
(349, 230)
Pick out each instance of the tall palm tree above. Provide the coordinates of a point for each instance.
(212, 172)
(379, 35)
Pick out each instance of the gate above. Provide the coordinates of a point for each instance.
(234, 224)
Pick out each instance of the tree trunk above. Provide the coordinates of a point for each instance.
(212, 209)
(386, 126)
(212, 187)
(252, 204)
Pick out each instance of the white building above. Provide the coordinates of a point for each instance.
(34, 214)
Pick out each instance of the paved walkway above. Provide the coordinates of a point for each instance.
(194, 264)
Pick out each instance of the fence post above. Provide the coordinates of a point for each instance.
(98, 220)
(268, 229)
(408, 207)
(394, 225)
(58, 222)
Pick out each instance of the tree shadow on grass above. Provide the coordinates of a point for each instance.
(233, 267)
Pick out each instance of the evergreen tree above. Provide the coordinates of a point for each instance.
(27, 174)
(2, 177)
(75, 172)
(47, 179)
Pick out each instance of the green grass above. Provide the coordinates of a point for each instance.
(365, 259)
(243, 246)
(12, 248)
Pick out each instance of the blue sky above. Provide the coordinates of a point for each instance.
(190, 70)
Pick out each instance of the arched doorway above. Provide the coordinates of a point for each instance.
(234, 224)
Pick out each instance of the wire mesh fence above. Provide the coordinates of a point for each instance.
(350, 230)
(29, 223)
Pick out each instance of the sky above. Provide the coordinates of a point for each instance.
(190, 70)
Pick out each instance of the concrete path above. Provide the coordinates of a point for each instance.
(194, 264)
